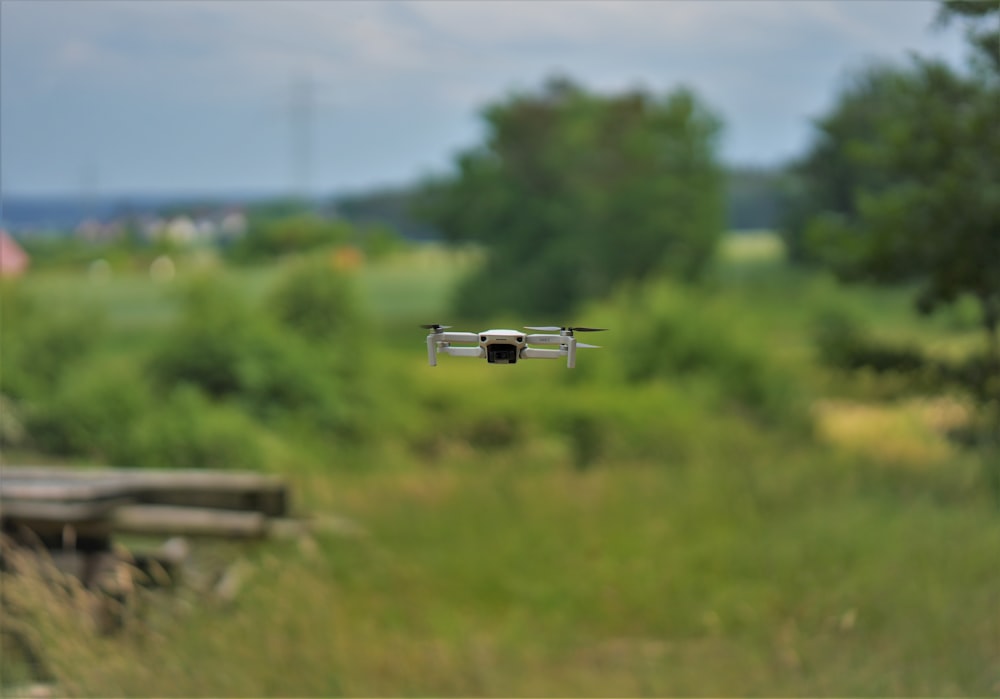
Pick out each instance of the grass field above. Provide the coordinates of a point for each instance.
(529, 531)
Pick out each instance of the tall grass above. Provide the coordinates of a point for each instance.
(696, 510)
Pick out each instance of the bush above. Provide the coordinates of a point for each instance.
(683, 335)
(274, 236)
(41, 343)
(281, 376)
(288, 368)
(844, 344)
(205, 345)
(316, 301)
(190, 431)
(92, 413)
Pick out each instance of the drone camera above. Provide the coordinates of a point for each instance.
(501, 354)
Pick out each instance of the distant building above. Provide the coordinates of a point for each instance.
(13, 259)
(94, 231)
(181, 230)
(233, 225)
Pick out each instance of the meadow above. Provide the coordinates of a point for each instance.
(704, 507)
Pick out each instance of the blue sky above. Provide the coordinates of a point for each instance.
(197, 96)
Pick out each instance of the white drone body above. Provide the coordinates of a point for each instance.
(505, 346)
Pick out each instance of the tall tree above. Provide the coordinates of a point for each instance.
(982, 27)
(903, 184)
(920, 192)
(573, 192)
(827, 178)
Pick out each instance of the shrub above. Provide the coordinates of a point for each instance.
(844, 344)
(283, 377)
(290, 369)
(40, 343)
(273, 236)
(190, 431)
(316, 301)
(684, 335)
(205, 345)
(92, 413)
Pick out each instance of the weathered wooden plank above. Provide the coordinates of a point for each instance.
(58, 488)
(264, 493)
(188, 521)
(63, 511)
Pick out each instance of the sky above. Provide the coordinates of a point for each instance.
(196, 96)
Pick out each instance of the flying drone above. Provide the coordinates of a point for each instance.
(506, 346)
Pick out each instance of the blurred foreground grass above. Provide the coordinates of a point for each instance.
(526, 531)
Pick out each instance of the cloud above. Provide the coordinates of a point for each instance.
(403, 81)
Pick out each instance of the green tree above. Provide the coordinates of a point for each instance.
(573, 192)
(921, 194)
(826, 179)
(269, 237)
(903, 185)
(982, 27)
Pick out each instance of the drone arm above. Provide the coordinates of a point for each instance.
(536, 353)
(439, 342)
(464, 351)
(456, 337)
(567, 349)
(546, 339)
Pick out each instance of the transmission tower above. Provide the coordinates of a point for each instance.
(301, 109)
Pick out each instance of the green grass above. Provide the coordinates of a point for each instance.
(529, 531)
(506, 579)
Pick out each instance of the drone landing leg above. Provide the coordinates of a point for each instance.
(432, 350)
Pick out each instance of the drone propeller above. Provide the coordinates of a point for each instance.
(584, 345)
(435, 327)
(555, 329)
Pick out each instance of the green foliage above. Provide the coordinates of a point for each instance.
(268, 237)
(516, 530)
(982, 27)
(391, 209)
(826, 179)
(844, 344)
(901, 186)
(205, 345)
(92, 413)
(677, 335)
(756, 198)
(12, 432)
(188, 430)
(378, 241)
(288, 360)
(41, 342)
(573, 193)
(58, 250)
(317, 301)
(280, 230)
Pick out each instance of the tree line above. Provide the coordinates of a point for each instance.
(571, 192)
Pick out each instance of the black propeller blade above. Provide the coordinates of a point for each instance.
(435, 327)
(555, 329)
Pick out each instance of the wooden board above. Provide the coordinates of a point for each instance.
(188, 521)
(227, 490)
(94, 502)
